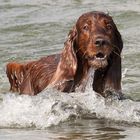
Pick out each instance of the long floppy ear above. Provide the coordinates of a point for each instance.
(110, 81)
(67, 65)
(113, 74)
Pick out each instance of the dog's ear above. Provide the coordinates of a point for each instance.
(113, 74)
(118, 41)
(67, 65)
(110, 82)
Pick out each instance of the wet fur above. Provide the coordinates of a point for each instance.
(67, 71)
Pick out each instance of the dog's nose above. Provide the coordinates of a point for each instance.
(100, 42)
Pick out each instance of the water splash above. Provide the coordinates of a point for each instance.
(38, 111)
(87, 82)
(52, 107)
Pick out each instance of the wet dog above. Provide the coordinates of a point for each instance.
(93, 42)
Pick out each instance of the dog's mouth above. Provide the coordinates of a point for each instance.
(100, 56)
(98, 61)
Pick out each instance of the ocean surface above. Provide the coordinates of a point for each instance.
(33, 29)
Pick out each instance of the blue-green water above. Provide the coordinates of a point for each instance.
(32, 29)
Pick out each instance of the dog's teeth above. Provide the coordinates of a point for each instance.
(98, 58)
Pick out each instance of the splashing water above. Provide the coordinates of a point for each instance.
(87, 82)
(52, 107)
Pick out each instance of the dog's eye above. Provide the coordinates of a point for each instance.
(85, 27)
(109, 26)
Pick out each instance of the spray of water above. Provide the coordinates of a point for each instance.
(52, 107)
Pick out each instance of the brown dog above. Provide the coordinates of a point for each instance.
(93, 42)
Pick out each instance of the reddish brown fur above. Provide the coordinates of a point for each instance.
(15, 74)
(93, 42)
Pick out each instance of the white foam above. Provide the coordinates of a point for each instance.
(124, 73)
(51, 107)
(40, 111)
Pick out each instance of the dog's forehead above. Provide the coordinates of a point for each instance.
(93, 17)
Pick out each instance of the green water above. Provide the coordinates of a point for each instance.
(32, 29)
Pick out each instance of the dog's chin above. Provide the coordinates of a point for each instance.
(98, 64)
(98, 61)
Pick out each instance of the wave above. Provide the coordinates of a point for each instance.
(52, 107)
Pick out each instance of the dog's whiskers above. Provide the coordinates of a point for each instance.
(117, 54)
(78, 50)
(117, 48)
(84, 54)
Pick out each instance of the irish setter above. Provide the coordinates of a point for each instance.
(94, 42)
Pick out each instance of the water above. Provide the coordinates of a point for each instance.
(33, 29)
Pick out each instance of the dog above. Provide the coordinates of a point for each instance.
(94, 42)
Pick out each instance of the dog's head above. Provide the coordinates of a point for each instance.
(95, 38)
